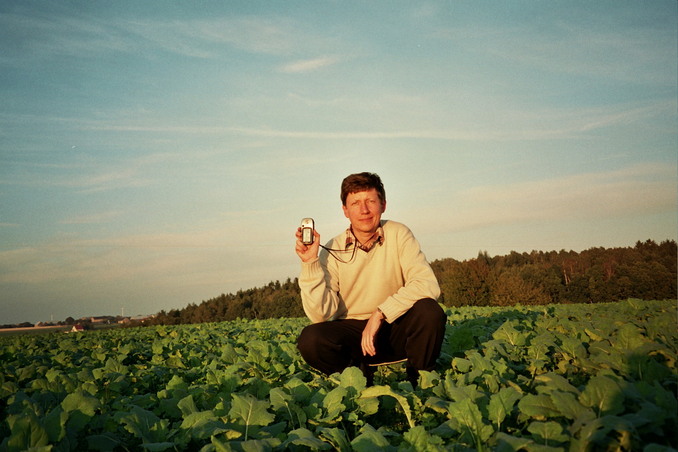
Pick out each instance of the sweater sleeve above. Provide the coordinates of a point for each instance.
(319, 291)
(420, 281)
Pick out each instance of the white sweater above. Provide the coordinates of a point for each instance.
(392, 276)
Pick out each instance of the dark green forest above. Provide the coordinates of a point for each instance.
(645, 271)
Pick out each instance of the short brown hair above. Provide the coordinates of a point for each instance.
(356, 183)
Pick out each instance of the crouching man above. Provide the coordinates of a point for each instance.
(370, 293)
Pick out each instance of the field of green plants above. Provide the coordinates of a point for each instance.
(548, 378)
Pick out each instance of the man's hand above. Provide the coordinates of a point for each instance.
(307, 252)
(370, 333)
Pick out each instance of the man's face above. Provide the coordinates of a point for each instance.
(364, 209)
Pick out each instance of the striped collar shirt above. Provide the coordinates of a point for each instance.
(377, 238)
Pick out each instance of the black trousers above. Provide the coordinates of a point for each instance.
(416, 336)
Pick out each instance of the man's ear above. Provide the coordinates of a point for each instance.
(383, 207)
(343, 207)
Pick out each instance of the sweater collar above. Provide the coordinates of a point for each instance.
(377, 238)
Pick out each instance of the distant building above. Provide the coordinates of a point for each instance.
(76, 329)
(141, 318)
(136, 319)
(107, 319)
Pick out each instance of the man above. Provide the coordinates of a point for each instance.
(370, 294)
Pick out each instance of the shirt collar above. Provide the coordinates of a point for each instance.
(378, 238)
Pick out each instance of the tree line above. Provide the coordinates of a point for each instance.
(645, 271)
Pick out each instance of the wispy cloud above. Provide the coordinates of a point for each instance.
(632, 56)
(90, 175)
(638, 190)
(31, 35)
(254, 34)
(530, 125)
(625, 115)
(335, 135)
(96, 218)
(82, 178)
(145, 257)
(309, 65)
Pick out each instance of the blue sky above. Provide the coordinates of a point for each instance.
(155, 154)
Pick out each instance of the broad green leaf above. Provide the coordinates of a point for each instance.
(468, 415)
(203, 424)
(458, 340)
(568, 405)
(377, 391)
(26, 433)
(595, 334)
(664, 398)
(260, 348)
(629, 337)
(304, 438)
(336, 437)
(104, 442)
(502, 403)
(437, 404)
(574, 347)
(370, 440)
(508, 443)
(540, 343)
(547, 432)
(8, 388)
(550, 382)
(301, 392)
(461, 364)
(26, 373)
(52, 375)
(421, 441)
(282, 401)
(481, 363)
(538, 406)
(159, 446)
(249, 411)
(80, 401)
(428, 379)
(333, 402)
(352, 377)
(187, 405)
(650, 362)
(510, 334)
(604, 395)
(459, 393)
(221, 445)
(597, 434)
(175, 362)
(279, 398)
(144, 424)
(229, 355)
(259, 445)
(177, 384)
(55, 424)
(447, 430)
(157, 347)
(114, 365)
(368, 406)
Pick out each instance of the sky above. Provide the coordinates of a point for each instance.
(156, 154)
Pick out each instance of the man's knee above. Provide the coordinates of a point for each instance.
(308, 340)
(429, 311)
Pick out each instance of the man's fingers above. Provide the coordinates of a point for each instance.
(368, 346)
